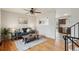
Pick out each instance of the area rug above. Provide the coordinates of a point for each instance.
(21, 46)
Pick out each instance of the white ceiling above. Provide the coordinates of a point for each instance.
(59, 11)
(15, 10)
(22, 11)
(67, 12)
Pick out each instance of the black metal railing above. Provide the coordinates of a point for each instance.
(74, 26)
(71, 38)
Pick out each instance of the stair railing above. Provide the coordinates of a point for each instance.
(71, 38)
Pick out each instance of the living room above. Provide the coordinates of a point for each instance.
(12, 18)
(40, 23)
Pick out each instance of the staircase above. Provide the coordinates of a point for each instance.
(72, 39)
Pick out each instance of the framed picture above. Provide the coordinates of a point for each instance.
(43, 21)
(23, 20)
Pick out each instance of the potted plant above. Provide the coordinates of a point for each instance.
(5, 33)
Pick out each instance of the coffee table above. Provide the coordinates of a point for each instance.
(30, 37)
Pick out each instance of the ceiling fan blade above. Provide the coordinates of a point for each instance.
(26, 10)
(37, 12)
(26, 13)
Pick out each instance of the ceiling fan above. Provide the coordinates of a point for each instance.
(32, 11)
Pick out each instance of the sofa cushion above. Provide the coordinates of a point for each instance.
(24, 30)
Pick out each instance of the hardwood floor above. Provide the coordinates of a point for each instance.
(8, 45)
(49, 45)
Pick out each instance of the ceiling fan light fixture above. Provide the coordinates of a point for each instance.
(32, 11)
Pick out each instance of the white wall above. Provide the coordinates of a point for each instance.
(10, 20)
(0, 18)
(72, 12)
(0, 23)
(60, 12)
(72, 18)
(50, 29)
